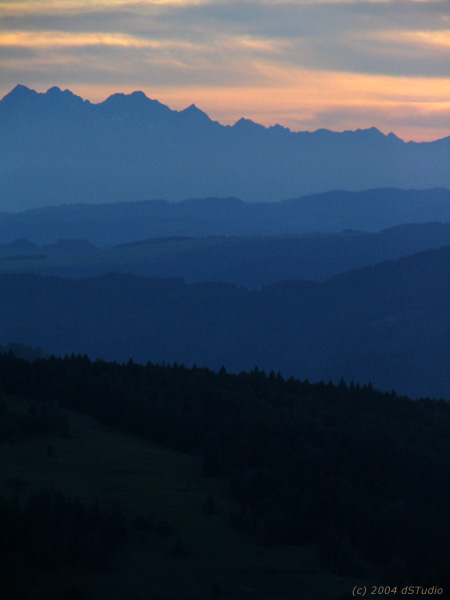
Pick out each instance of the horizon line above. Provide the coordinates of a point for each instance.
(240, 119)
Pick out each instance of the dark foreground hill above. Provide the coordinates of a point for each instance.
(55, 148)
(353, 476)
(89, 512)
(251, 262)
(125, 222)
(386, 324)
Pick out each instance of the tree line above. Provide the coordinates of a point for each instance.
(361, 473)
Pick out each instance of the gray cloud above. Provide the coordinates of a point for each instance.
(328, 36)
(140, 67)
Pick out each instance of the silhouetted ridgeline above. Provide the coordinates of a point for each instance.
(386, 324)
(362, 473)
(121, 222)
(248, 261)
(56, 147)
(21, 351)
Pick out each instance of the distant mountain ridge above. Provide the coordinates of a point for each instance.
(387, 324)
(56, 147)
(251, 262)
(124, 222)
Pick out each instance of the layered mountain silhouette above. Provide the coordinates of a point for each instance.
(387, 324)
(123, 222)
(252, 262)
(58, 148)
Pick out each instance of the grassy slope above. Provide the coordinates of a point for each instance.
(96, 462)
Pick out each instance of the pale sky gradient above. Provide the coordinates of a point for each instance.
(305, 64)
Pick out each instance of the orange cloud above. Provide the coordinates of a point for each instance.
(309, 100)
(55, 39)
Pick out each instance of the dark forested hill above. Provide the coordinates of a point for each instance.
(126, 222)
(386, 324)
(56, 148)
(359, 475)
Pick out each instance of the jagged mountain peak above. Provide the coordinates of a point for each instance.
(22, 97)
(372, 132)
(135, 97)
(137, 102)
(193, 112)
(63, 97)
(244, 124)
(19, 95)
(56, 91)
(21, 90)
(171, 154)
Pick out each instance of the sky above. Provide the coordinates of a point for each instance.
(305, 64)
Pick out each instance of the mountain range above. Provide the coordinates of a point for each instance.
(387, 324)
(252, 262)
(57, 148)
(124, 222)
(133, 233)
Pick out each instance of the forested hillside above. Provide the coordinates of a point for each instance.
(360, 473)
(90, 512)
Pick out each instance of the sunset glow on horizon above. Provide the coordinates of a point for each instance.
(301, 64)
